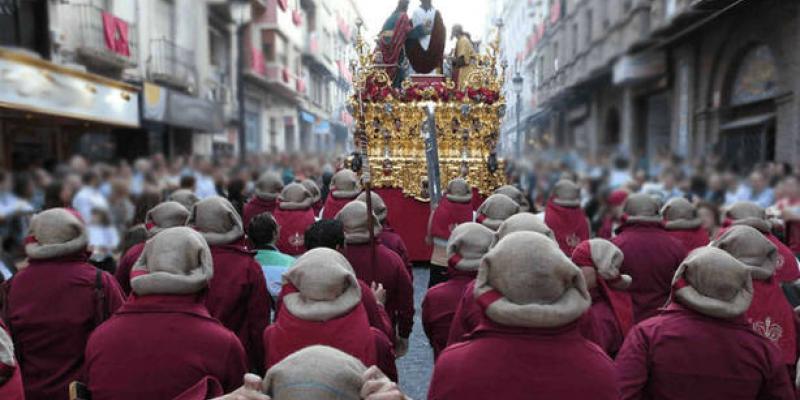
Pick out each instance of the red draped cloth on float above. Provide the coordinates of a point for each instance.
(392, 49)
(410, 221)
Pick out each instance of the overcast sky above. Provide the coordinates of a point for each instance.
(471, 14)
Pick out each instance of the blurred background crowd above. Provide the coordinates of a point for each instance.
(113, 198)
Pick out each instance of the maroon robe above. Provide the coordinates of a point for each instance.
(389, 271)
(376, 314)
(771, 316)
(12, 388)
(293, 225)
(439, 307)
(257, 206)
(511, 363)
(569, 225)
(394, 242)
(682, 354)
(52, 311)
(238, 297)
(691, 238)
(334, 204)
(348, 333)
(651, 258)
(467, 316)
(123, 273)
(156, 347)
(447, 216)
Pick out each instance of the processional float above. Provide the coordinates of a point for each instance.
(413, 139)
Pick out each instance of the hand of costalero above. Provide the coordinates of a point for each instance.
(251, 390)
(380, 293)
(378, 387)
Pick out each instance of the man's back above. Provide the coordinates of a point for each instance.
(518, 363)
(156, 347)
(651, 259)
(684, 355)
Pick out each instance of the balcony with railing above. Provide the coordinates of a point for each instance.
(103, 39)
(172, 65)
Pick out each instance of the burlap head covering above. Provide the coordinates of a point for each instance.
(344, 185)
(269, 186)
(354, 219)
(312, 188)
(523, 222)
(184, 196)
(566, 193)
(6, 351)
(748, 213)
(606, 258)
(217, 221)
(516, 195)
(496, 209)
(539, 286)
(749, 246)
(295, 196)
(378, 206)
(326, 286)
(176, 261)
(315, 373)
(57, 232)
(641, 207)
(680, 214)
(459, 191)
(712, 282)
(469, 241)
(168, 214)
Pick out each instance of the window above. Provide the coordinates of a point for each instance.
(589, 27)
(627, 4)
(217, 49)
(669, 8)
(268, 46)
(555, 56)
(575, 39)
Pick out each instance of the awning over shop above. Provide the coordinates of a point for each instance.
(160, 104)
(639, 67)
(322, 128)
(747, 122)
(308, 117)
(28, 83)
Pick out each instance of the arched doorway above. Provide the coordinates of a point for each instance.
(747, 124)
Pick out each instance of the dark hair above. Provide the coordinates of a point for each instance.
(325, 233)
(262, 230)
(52, 196)
(187, 182)
(144, 203)
(22, 185)
(90, 177)
(133, 236)
(714, 210)
(236, 196)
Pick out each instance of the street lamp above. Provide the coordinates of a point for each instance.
(516, 85)
(240, 11)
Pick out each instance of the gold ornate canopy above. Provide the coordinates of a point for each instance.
(389, 124)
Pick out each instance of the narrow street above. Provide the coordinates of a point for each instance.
(416, 367)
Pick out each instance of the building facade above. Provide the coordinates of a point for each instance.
(136, 77)
(297, 75)
(650, 78)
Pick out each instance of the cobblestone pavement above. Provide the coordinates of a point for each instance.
(415, 368)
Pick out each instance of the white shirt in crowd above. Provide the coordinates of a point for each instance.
(204, 186)
(103, 236)
(87, 199)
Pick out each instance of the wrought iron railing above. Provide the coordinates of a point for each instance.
(171, 64)
(91, 39)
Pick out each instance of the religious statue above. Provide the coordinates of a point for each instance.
(426, 53)
(392, 40)
(463, 57)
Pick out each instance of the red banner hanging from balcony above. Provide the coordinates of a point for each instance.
(286, 75)
(115, 33)
(257, 61)
(301, 86)
(297, 17)
(283, 4)
(555, 11)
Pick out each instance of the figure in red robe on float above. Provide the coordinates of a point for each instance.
(163, 340)
(700, 346)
